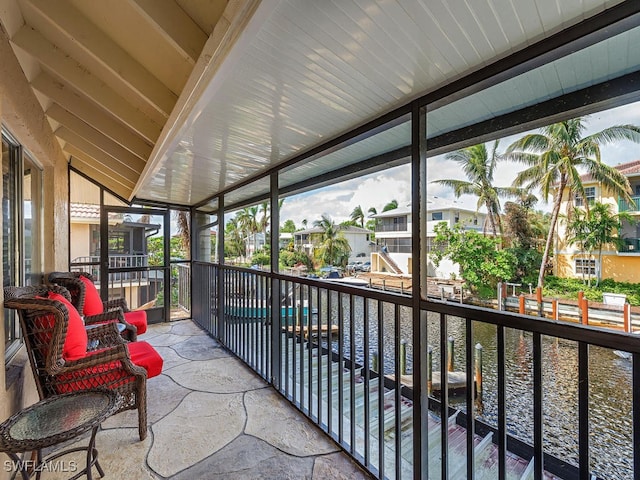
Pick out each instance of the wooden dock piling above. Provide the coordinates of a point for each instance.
(627, 318)
(403, 357)
(478, 370)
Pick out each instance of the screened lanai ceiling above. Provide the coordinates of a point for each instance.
(177, 100)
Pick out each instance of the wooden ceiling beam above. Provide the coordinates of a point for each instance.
(91, 114)
(67, 69)
(95, 137)
(98, 154)
(117, 68)
(106, 177)
(175, 25)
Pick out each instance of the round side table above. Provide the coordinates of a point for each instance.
(55, 420)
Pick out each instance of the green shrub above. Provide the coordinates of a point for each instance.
(569, 288)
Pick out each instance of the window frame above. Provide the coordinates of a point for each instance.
(587, 196)
(585, 266)
(17, 156)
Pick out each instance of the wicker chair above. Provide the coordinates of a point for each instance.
(135, 321)
(114, 363)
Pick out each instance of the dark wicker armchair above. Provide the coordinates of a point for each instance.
(135, 321)
(113, 363)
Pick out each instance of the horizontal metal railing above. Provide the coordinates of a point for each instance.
(339, 354)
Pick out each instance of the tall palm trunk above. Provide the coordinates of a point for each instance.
(552, 228)
(492, 221)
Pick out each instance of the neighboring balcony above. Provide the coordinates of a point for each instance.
(631, 245)
(631, 207)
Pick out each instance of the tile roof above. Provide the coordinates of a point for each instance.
(629, 168)
(89, 211)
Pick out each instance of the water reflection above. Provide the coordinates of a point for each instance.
(610, 383)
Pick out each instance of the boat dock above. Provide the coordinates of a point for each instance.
(324, 330)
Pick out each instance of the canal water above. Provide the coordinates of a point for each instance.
(611, 446)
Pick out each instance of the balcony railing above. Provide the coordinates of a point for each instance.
(398, 227)
(630, 245)
(626, 206)
(346, 357)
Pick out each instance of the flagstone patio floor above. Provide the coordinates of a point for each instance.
(211, 417)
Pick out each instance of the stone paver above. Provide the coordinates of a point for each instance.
(202, 424)
(165, 340)
(170, 358)
(201, 347)
(248, 458)
(120, 452)
(337, 466)
(163, 396)
(283, 427)
(223, 375)
(187, 328)
(210, 416)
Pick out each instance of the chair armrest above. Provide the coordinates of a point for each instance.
(104, 335)
(116, 303)
(113, 315)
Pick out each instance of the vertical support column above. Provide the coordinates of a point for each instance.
(166, 271)
(275, 320)
(419, 290)
(222, 321)
(627, 318)
(104, 249)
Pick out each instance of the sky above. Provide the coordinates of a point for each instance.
(378, 189)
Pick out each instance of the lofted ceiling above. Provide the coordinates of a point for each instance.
(177, 100)
(108, 74)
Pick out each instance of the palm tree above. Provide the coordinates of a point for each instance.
(334, 248)
(554, 157)
(604, 228)
(182, 221)
(479, 166)
(357, 215)
(247, 220)
(392, 205)
(234, 242)
(578, 232)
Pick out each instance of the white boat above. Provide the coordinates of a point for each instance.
(621, 354)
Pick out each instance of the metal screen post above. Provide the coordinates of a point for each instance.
(275, 320)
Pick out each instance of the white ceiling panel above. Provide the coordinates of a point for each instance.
(308, 71)
(595, 64)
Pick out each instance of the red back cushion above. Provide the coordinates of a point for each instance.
(75, 344)
(92, 301)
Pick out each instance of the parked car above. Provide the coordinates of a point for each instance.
(365, 267)
(353, 267)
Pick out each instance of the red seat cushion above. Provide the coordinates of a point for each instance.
(92, 301)
(144, 355)
(107, 375)
(75, 343)
(138, 318)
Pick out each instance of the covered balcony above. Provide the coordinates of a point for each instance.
(186, 112)
(210, 416)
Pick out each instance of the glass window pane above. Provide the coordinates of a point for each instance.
(32, 205)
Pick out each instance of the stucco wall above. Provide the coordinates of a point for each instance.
(621, 268)
(23, 117)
